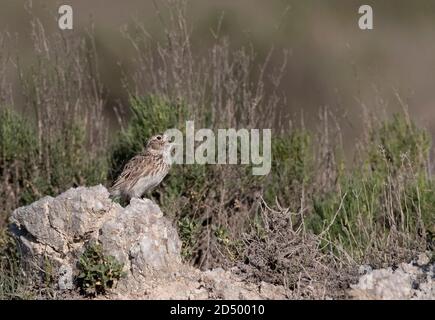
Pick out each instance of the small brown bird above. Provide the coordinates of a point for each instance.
(144, 171)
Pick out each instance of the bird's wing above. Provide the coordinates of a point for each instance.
(135, 169)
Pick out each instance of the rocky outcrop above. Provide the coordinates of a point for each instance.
(55, 232)
(413, 281)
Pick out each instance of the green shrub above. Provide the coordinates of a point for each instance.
(98, 272)
(18, 162)
(384, 204)
(31, 169)
(398, 142)
(292, 169)
(13, 283)
(188, 231)
(18, 151)
(17, 137)
(72, 165)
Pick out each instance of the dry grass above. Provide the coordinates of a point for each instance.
(222, 86)
(281, 254)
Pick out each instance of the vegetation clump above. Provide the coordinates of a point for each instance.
(97, 272)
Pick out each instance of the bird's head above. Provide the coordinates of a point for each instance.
(159, 144)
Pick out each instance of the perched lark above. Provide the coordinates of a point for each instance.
(144, 171)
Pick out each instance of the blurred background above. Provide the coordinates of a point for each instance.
(331, 61)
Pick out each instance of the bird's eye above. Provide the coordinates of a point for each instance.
(159, 137)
